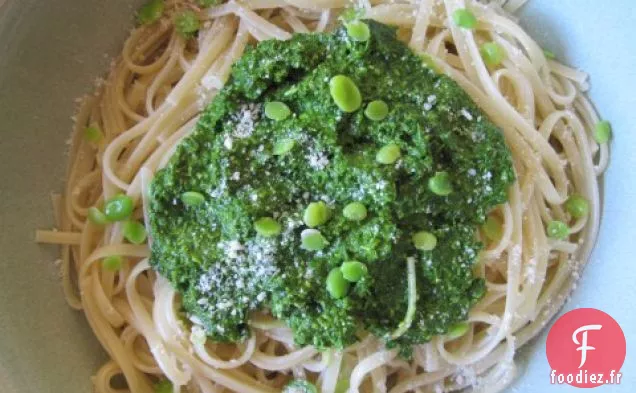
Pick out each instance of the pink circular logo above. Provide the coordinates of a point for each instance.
(586, 348)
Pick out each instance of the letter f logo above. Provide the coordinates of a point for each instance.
(583, 344)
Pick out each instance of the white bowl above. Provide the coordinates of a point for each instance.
(52, 51)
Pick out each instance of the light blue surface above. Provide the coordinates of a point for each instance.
(600, 38)
(50, 51)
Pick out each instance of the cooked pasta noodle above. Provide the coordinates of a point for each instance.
(151, 100)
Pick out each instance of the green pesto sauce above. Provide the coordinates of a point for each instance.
(224, 270)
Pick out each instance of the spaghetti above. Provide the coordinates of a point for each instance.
(151, 101)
